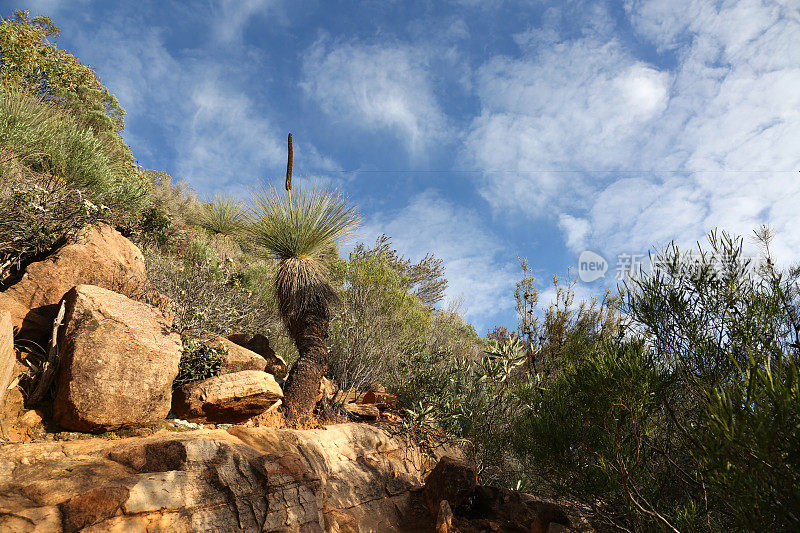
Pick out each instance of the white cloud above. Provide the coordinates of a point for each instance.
(375, 87)
(225, 129)
(570, 106)
(231, 16)
(576, 230)
(710, 143)
(476, 261)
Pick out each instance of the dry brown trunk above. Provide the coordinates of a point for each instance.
(302, 383)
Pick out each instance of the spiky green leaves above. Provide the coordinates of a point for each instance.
(300, 224)
(302, 230)
(223, 215)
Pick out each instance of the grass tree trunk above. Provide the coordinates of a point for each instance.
(302, 384)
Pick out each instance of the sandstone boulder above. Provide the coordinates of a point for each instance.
(238, 358)
(362, 411)
(29, 324)
(381, 400)
(228, 398)
(99, 256)
(260, 344)
(452, 480)
(118, 360)
(327, 390)
(509, 510)
(7, 356)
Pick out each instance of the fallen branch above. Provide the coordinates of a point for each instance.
(51, 365)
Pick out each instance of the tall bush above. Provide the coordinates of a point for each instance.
(690, 422)
(379, 322)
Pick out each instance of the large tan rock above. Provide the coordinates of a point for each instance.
(99, 256)
(347, 477)
(29, 324)
(118, 360)
(227, 398)
(343, 478)
(362, 411)
(7, 357)
(238, 358)
(260, 344)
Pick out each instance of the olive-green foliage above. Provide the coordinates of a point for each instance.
(749, 446)
(258, 279)
(155, 226)
(222, 215)
(380, 322)
(690, 422)
(29, 59)
(208, 291)
(470, 399)
(564, 329)
(425, 278)
(586, 433)
(37, 213)
(199, 361)
(174, 199)
(48, 139)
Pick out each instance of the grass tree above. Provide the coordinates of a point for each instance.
(223, 215)
(302, 230)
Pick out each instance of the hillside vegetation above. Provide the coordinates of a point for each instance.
(672, 405)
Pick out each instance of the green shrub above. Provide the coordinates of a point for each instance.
(690, 422)
(30, 59)
(47, 139)
(207, 291)
(199, 361)
(37, 213)
(378, 324)
(223, 215)
(155, 226)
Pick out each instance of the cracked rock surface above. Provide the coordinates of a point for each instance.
(242, 479)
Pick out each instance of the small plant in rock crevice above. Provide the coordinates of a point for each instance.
(199, 361)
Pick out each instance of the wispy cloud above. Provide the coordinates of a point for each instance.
(375, 87)
(569, 106)
(232, 16)
(226, 134)
(218, 136)
(651, 154)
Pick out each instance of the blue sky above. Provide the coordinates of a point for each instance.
(478, 131)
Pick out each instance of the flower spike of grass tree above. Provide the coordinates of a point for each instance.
(302, 230)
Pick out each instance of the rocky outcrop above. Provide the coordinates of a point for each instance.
(497, 509)
(381, 400)
(100, 256)
(364, 412)
(348, 477)
(118, 361)
(228, 398)
(30, 324)
(260, 344)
